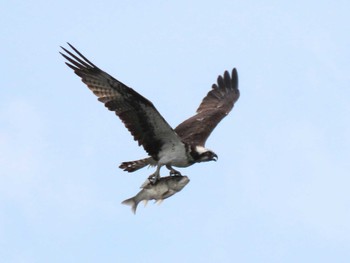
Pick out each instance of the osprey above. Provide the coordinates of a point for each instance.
(179, 147)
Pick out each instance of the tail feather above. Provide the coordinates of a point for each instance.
(136, 165)
(132, 203)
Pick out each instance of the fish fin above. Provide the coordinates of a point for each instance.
(146, 184)
(132, 203)
(145, 202)
(159, 201)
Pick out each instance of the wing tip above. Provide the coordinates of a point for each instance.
(227, 81)
(78, 59)
(234, 78)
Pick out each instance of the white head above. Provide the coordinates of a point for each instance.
(202, 154)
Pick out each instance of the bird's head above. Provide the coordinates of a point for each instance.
(205, 155)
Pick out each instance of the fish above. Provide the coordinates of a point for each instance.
(160, 190)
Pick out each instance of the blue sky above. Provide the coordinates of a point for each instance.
(279, 192)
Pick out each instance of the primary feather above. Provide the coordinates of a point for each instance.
(181, 147)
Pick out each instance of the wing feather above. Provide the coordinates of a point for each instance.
(137, 113)
(214, 107)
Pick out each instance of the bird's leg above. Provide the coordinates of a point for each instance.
(172, 170)
(153, 178)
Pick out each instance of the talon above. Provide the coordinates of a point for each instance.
(174, 172)
(152, 179)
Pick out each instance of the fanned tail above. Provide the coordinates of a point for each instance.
(133, 166)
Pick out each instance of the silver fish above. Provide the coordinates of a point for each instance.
(163, 188)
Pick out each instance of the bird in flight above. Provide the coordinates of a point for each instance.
(179, 147)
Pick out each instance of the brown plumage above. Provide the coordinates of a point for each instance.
(181, 147)
(214, 107)
(137, 113)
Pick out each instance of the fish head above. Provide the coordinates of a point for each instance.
(183, 181)
(178, 182)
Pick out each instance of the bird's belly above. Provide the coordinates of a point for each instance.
(175, 161)
(179, 162)
(177, 156)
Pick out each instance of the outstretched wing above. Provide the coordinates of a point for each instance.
(214, 107)
(137, 113)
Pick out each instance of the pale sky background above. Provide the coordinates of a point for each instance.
(280, 190)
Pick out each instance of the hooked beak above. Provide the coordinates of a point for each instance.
(215, 157)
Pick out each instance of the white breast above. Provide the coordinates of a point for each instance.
(173, 154)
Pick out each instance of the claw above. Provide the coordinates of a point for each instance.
(174, 172)
(153, 179)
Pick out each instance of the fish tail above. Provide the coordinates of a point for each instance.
(132, 203)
